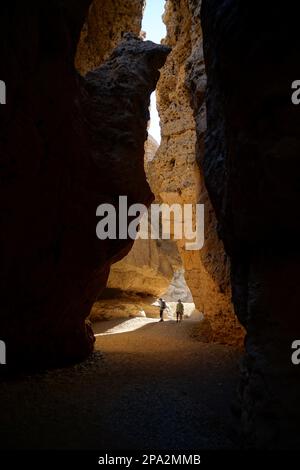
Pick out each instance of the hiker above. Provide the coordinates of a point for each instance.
(162, 306)
(179, 310)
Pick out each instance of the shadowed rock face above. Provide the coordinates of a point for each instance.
(67, 144)
(252, 171)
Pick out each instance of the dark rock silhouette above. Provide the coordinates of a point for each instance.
(67, 144)
(252, 171)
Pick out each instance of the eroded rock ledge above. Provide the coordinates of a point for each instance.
(103, 30)
(67, 145)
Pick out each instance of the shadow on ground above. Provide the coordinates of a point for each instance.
(152, 387)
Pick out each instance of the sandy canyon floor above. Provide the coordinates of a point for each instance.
(149, 385)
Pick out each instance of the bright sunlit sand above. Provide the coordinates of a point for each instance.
(127, 326)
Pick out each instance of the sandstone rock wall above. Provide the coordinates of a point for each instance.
(106, 23)
(150, 265)
(122, 304)
(252, 168)
(64, 152)
(174, 173)
(147, 269)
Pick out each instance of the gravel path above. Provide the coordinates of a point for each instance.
(149, 385)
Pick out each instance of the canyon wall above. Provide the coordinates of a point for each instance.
(252, 167)
(175, 175)
(106, 23)
(67, 145)
(147, 269)
(151, 264)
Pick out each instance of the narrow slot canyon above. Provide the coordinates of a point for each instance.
(167, 103)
